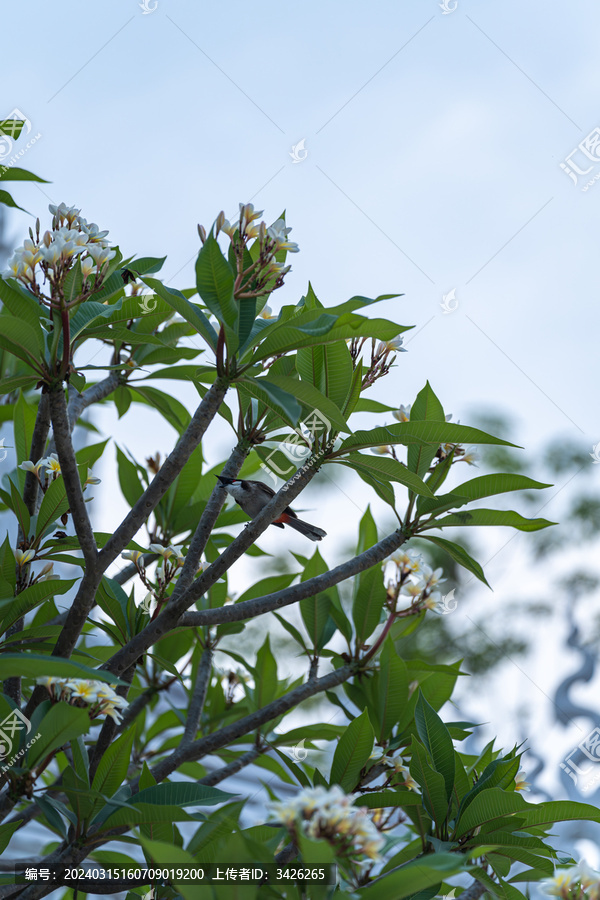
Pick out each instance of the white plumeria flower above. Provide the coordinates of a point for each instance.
(64, 212)
(92, 231)
(393, 346)
(84, 690)
(402, 414)
(561, 883)
(132, 555)
(266, 312)
(470, 456)
(407, 560)
(29, 466)
(382, 450)
(248, 213)
(91, 479)
(100, 254)
(520, 781)
(588, 877)
(430, 577)
(23, 556)
(51, 463)
(278, 233)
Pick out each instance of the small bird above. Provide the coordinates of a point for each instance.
(253, 496)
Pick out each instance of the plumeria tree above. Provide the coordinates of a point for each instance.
(90, 749)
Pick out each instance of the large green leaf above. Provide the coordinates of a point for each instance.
(489, 517)
(21, 304)
(113, 766)
(61, 723)
(368, 603)
(431, 783)
(189, 311)
(214, 280)
(426, 408)
(415, 876)
(23, 341)
(477, 488)
(419, 432)
(14, 173)
(437, 740)
(30, 665)
(385, 469)
(459, 555)
(89, 312)
(30, 598)
(352, 752)
(329, 368)
(391, 690)
(274, 397)
(311, 398)
(54, 504)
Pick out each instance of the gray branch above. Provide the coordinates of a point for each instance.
(247, 724)
(198, 696)
(79, 402)
(260, 605)
(166, 475)
(232, 768)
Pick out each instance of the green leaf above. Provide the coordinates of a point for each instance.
(170, 409)
(383, 470)
(14, 173)
(391, 690)
(214, 280)
(24, 422)
(54, 504)
(413, 877)
(21, 304)
(352, 752)
(437, 740)
(89, 312)
(315, 610)
(311, 398)
(426, 408)
(6, 832)
(431, 782)
(489, 517)
(459, 555)
(30, 598)
(477, 488)
(274, 397)
(113, 766)
(368, 603)
(181, 793)
(434, 433)
(189, 311)
(61, 724)
(146, 265)
(7, 200)
(31, 665)
(129, 478)
(265, 675)
(329, 369)
(20, 510)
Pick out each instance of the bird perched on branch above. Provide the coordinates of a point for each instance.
(253, 496)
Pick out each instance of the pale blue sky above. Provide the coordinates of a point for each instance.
(434, 146)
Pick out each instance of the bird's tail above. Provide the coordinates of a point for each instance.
(305, 528)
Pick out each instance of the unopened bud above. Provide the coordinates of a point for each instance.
(220, 221)
(47, 570)
(47, 238)
(202, 233)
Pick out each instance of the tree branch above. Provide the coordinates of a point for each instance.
(165, 477)
(198, 696)
(232, 768)
(269, 602)
(79, 402)
(68, 466)
(249, 723)
(180, 600)
(38, 446)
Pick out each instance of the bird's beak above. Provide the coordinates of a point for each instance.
(224, 480)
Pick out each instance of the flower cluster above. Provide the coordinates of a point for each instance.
(70, 237)
(329, 814)
(413, 578)
(265, 273)
(100, 697)
(573, 883)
